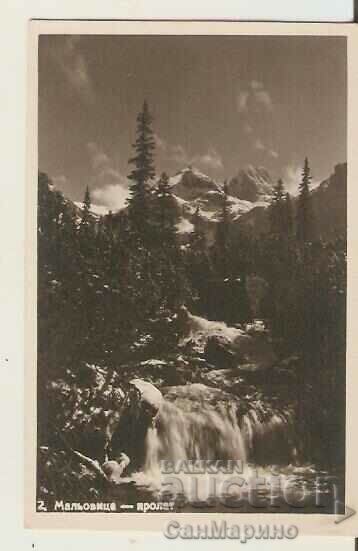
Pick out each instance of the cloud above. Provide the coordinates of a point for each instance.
(110, 187)
(260, 146)
(292, 178)
(101, 163)
(211, 159)
(74, 67)
(256, 85)
(108, 175)
(254, 97)
(99, 158)
(262, 97)
(178, 154)
(160, 143)
(113, 196)
(242, 98)
(59, 181)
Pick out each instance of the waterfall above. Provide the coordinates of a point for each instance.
(200, 425)
(270, 440)
(205, 434)
(194, 426)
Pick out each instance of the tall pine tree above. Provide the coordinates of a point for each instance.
(168, 256)
(87, 229)
(221, 245)
(141, 242)
(139, 202)
(304, 219)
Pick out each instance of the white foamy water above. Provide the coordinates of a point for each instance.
(198, 424)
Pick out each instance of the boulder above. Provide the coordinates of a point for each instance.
(150, 396)
(242, 349)
(218, 351)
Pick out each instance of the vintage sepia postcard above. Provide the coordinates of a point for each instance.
(188, 351)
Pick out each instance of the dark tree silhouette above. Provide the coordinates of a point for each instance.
(304, 217)
(199, 268)
(141, 175)
(221, 247)
(277, 209)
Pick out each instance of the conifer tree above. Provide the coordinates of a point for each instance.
(288, 215)
(221, 245)
(86, 212)
(168, 257)
(199, 267)
(304, 220)
(86, 204)
(87, 230)
(141, 271)
(68, 256)
(277, 209)
(142, 173)
(279, 191)
(167, 214)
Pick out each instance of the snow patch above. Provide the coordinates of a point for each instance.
(184, 226)
(240, 206)
(149, 393)
(180, 201)
(200, 329)
(98, 210)
(212, 328)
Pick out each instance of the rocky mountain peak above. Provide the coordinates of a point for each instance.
(251, 184)
(190, 184)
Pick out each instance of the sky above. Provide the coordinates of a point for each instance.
(219, 104)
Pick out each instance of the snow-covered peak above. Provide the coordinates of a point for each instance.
(190, 184)
(251, 184)
(191, 171)
(192, 189)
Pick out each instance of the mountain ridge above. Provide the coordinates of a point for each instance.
(249, 193)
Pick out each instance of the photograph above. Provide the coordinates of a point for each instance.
(191, 272)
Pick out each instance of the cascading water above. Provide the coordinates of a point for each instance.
(200, 422)
(197, 422)
(269, 440)
(205, 434)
